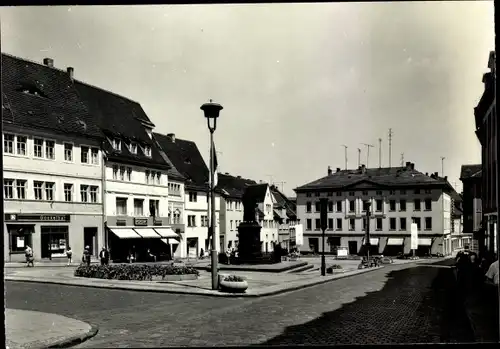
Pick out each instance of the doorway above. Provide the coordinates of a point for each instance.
(314, 245)
(90, 240)
(353, 247)
(54, 240)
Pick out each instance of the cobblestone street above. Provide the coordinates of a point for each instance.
(397, 304)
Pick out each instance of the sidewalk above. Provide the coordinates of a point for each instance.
(31, 329)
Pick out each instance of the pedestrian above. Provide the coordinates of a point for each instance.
(30, 260)
(202, 254)
(86, 255)
(69, 254)
(104, 255)
(492, 273)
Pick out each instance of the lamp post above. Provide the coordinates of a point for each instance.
(323, 219)
(367, 237)
(211, 111)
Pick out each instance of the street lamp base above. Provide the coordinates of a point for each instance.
(323, 265)
(215, 273)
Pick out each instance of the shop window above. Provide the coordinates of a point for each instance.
(54, 241)
(20, 238)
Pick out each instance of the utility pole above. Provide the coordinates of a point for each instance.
(368, 146)
(442, 166)
(402, 159)
(345, 152)
(282, 185)
(390, 146)
(380, 153)
(359, 157)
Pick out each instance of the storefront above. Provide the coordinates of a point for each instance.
(394, 247)
(374, 247)
(49, 235)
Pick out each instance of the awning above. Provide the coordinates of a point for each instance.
(147, 233)
(373, 241)
(125, 233)
(425, 242)
(166, 232)
(170, 241)
(395, 241)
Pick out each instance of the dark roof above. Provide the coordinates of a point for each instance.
(283, 202)
(374, 178)
(470, 171)
(187, 159)
(233, 187)
(56, 106)
(256, 192)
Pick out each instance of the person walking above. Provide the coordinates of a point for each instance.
(104, 255)
(69, 254)
(86, 255)
(28, 252)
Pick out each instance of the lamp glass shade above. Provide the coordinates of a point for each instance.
(211, 110)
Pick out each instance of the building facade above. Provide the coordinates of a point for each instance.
(471, 177)
(399, 196)
(286, 216)
(52, 164)
(487, 132)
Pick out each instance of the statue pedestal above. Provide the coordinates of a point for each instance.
(249, 247)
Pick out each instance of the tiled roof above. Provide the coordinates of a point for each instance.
(374, 177)
(233, 186)
(51, 104)
(257, 192)
(283, 201)
(118, 117)
(470, 171)
(187, 159)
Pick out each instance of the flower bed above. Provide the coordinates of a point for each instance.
(336, 268)
(233, 284)
(142, 272)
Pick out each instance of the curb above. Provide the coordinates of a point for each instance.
(221, 294)
(72, 341)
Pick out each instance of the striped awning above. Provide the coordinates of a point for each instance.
(424, 241)
(125, 233)
(373, 241)
(166, 232)
(395, 241)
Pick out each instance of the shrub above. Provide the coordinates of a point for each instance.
(131, 271)
(337, 266)
(234, 278)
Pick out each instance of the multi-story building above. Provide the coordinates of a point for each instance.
(487, 132)
(471, 177)
(52, 164)
(231, 208)
(286, 212)
(399, 196)
(187, 159)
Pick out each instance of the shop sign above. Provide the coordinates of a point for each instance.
(38, 217)
(141, 221)
(157, 222)
(121, 223)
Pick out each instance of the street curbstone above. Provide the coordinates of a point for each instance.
(75, 340)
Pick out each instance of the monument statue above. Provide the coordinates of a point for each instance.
(249, 209)
(249, 242)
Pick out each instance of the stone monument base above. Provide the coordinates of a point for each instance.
(249, 245)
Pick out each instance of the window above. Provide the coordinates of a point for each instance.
(20, 237)
(392, 192)
(204, 221)
(378, 205)
(428, 204)
(428, 191)
(351, 193)
(330, 193)
(308, 195)
(158, 177)
(84, 156)
(138, 207)
(21, 189)
(93, 193)
(231, 225)
(68, 152)
(268, 208)
(154, 208)
(428, 223)
(38, 147)
(21, 145)
(94, 156)
(352, 224)
(129, 174)
(148, 173)
(133, 148)
(317, 194)
(352, 206)
(121, 206)
(365, 192)
(177, 217)
(50, 150)
(122, 173)
(115, 172)
(308, 224)
(339, 193)
(339, 206)
(417, 221)
(417, 191)
(330, 206)
(317, 224)
(68, 192)
(402, 223)
(416, 205)
(330, 223)
(8, 143)
(308, 206)
(117, 144)
(378, 224)
(191, 221)
(392, 205)
(403, 192)
(8, 187)
(402, 205)
(49, 191)
(364, 223)
(84, 193)
(38, 190)
(317, 206)
(365, 206)
(339, 224)
(379, 192)
(193, 196)
(147, 151)
(392, 223)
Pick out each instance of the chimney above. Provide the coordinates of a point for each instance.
(363, 169)
(49, 62)
(412, 166)
(329, 170)
(427, 174)
(338, 169)
(172, 137)
(436, 174)
(70, 71)
(408, 165)
(445, 178)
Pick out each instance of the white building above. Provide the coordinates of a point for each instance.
(52, 164)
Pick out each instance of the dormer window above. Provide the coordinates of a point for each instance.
(133, 148)
(31, 90)
(147, 150)
(117, 144)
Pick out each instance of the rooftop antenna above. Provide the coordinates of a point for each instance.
(282, 186)
(390, 146)
(402, 159)
(380, 153)
(270, 178)
(359, 157)
(368, 146)
(442, 166)
(345, 155)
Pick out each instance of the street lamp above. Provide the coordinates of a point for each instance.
(367, 228)
(211, 111)
(323, 219)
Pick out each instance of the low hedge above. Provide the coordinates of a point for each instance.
(131, 271)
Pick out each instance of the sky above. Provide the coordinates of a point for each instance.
(297, 81)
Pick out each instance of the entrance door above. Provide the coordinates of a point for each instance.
(353, 247)
(314, 245)
(90, 240)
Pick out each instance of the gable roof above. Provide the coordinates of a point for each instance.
(234, 187)
(283, 202)
(471, 171)
(255, 192)
(374, 177)
(56, 106)
(187, 159)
